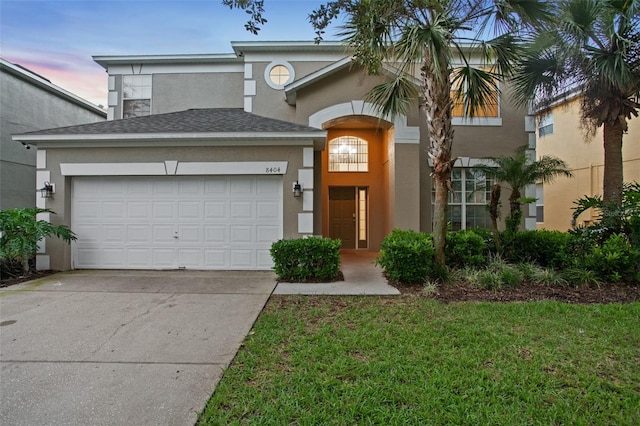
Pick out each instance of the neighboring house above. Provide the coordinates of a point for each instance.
(204, 156)
(30, 102)
(559, 133)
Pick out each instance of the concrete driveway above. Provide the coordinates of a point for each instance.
(121, 348)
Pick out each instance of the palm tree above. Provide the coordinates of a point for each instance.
(434, 41)
(518, 172)
(431, 42)
(594, 47)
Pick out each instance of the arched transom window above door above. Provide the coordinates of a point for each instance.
(348, 154)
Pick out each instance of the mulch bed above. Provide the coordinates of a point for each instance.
(448, 293)
(605, 293)
(6, 282)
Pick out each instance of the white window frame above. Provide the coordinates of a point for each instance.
(462, 201)
(145, 90)
(271, 66)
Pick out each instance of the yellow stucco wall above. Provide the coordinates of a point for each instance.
(585, 157)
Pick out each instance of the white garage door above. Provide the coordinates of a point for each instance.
(168, 222)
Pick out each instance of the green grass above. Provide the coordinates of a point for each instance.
(405, 360)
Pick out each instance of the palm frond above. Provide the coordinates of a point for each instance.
(477, 89)
(394, 97)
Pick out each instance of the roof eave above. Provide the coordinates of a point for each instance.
(316, 138)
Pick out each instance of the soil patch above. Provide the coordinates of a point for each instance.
(6, 282)
(529, 292)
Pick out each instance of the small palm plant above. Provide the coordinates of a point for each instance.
(518, 171)
(21, 231)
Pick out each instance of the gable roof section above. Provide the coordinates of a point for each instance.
(291, 89)
(213, 124)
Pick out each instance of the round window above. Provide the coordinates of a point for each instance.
(278, 75)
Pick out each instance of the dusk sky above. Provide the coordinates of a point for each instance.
(57, 39)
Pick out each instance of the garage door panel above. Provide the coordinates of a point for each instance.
(138, 210)
(190, 210)
(267, 234)
(138, 233)
(241, 210)
(114, 209)
(88, 257)
(263, 259)
(114, 234)
(240, 188)
(112, 257)
(135, 187)
(199, 222)
(216, 258)
(90, 233)
(241, 258)
(88, 209)
(190, 234)
(190, 258)
(163, 234)
(268, 210)
(216, 234)
(240, 234)
(138, 257)
(164, 258)
(164, 210)
(216, 186)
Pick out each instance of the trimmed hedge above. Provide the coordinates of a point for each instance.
(465, 248)
(407, 256)
(306, 259)
(549, 249)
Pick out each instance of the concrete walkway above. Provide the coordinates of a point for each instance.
(361, 277)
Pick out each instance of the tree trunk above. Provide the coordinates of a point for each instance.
(494, 212)
(613, 177)
(438, 106)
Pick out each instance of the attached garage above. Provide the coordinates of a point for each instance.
(196, 189)
(169, 222)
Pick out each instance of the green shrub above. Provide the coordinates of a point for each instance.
(306, 259)
(615, 260)
(543, 247)
(407, 257)
(21, 232)
(465, 248)
(488, 236)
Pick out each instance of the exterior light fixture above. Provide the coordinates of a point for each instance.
(47, 190)
(297, 189)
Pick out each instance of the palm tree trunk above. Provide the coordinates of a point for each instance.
(613, 177)
(436, 92)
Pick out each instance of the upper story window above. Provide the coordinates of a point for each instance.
(489, 110)
(545, 124)
(279, 74)
(348, 154)
(136, 95)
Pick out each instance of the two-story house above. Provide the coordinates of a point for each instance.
(207, 159)
(30, 102)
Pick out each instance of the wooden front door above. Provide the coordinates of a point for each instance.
(342, 215)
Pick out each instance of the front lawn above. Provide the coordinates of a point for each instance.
(411, 360)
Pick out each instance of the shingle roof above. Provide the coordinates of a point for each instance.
(213, 120)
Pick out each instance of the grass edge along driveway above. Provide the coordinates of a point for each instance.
(409, 360)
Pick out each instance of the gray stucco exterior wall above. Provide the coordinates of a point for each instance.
(26, 105)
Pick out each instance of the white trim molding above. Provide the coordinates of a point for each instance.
(403, 132)
(172, 167)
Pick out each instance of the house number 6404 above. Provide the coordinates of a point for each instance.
(271, 170)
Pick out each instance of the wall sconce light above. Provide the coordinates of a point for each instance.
(47, 190)
(297, 189)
